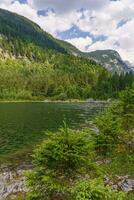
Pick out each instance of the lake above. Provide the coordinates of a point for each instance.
(23, 125)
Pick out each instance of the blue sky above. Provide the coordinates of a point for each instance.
(23, 1)
(87, 24)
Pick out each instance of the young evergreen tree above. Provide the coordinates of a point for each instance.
(95, 190)
(58, 161)
(109, 126)
(127, 109)
(116, 124)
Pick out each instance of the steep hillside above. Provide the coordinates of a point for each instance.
(34, 65)
(22, 37)
(17, 28)
(110, 59)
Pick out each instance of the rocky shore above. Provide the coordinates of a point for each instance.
(123, 183)
(12, 183)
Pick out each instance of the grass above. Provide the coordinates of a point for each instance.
(121, 165)
(130, 196)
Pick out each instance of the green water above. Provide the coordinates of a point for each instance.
(23, 125)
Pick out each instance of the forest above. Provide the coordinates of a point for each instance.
(36, 66)
(76, 78)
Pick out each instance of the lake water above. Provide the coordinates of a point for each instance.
(23, 125)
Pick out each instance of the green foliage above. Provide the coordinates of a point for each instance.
(116, 124)
(127, 109)
(24, 95)
(62, 166)
(61, 96)
(58, 161)
(110, 128)
(42, 67)
(64, 151)
(109, 86)
(122, 164)
(19, 30)
(59, 77)
(96, 190)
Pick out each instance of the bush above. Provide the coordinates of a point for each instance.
(109, 131)
(61, 97)
(95, 190)
(24, 95)
(116, 124)
(127, 109)
(58, 161)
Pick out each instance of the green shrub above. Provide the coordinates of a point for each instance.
(58, 161)
(61, 96)
(23, 95)
(109, 131)
(116, 124)
(127, 109)
(95, 190)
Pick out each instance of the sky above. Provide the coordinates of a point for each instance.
(88, 24)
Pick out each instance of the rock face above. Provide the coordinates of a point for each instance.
(123, 183)
(12, 183)
(111, 60)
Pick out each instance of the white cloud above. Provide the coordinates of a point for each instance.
(100, 17)
(105, 23)
(81, 43)
(62, 6)
(6, 1)
(51, 23)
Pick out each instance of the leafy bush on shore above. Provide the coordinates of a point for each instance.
(63, 160)
(96, 190)
(116, 124)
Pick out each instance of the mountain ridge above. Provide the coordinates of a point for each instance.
(110, 59)
(33, 32)
(36, 66)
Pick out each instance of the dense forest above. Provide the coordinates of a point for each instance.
(36, 66)
(75, 78)
(28, 72)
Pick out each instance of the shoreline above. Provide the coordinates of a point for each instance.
(55, 101)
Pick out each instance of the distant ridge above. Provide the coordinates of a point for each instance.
(110, 59)
(19, 29)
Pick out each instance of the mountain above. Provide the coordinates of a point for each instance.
(35, 65)
(110, 59)
(130, 65)
(18, 30)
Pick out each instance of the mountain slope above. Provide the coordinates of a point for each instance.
(16, 27)
(33, 64)
(110, 59)
(22, 37)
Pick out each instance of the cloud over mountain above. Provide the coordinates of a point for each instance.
(101, 24)
(64, 6)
